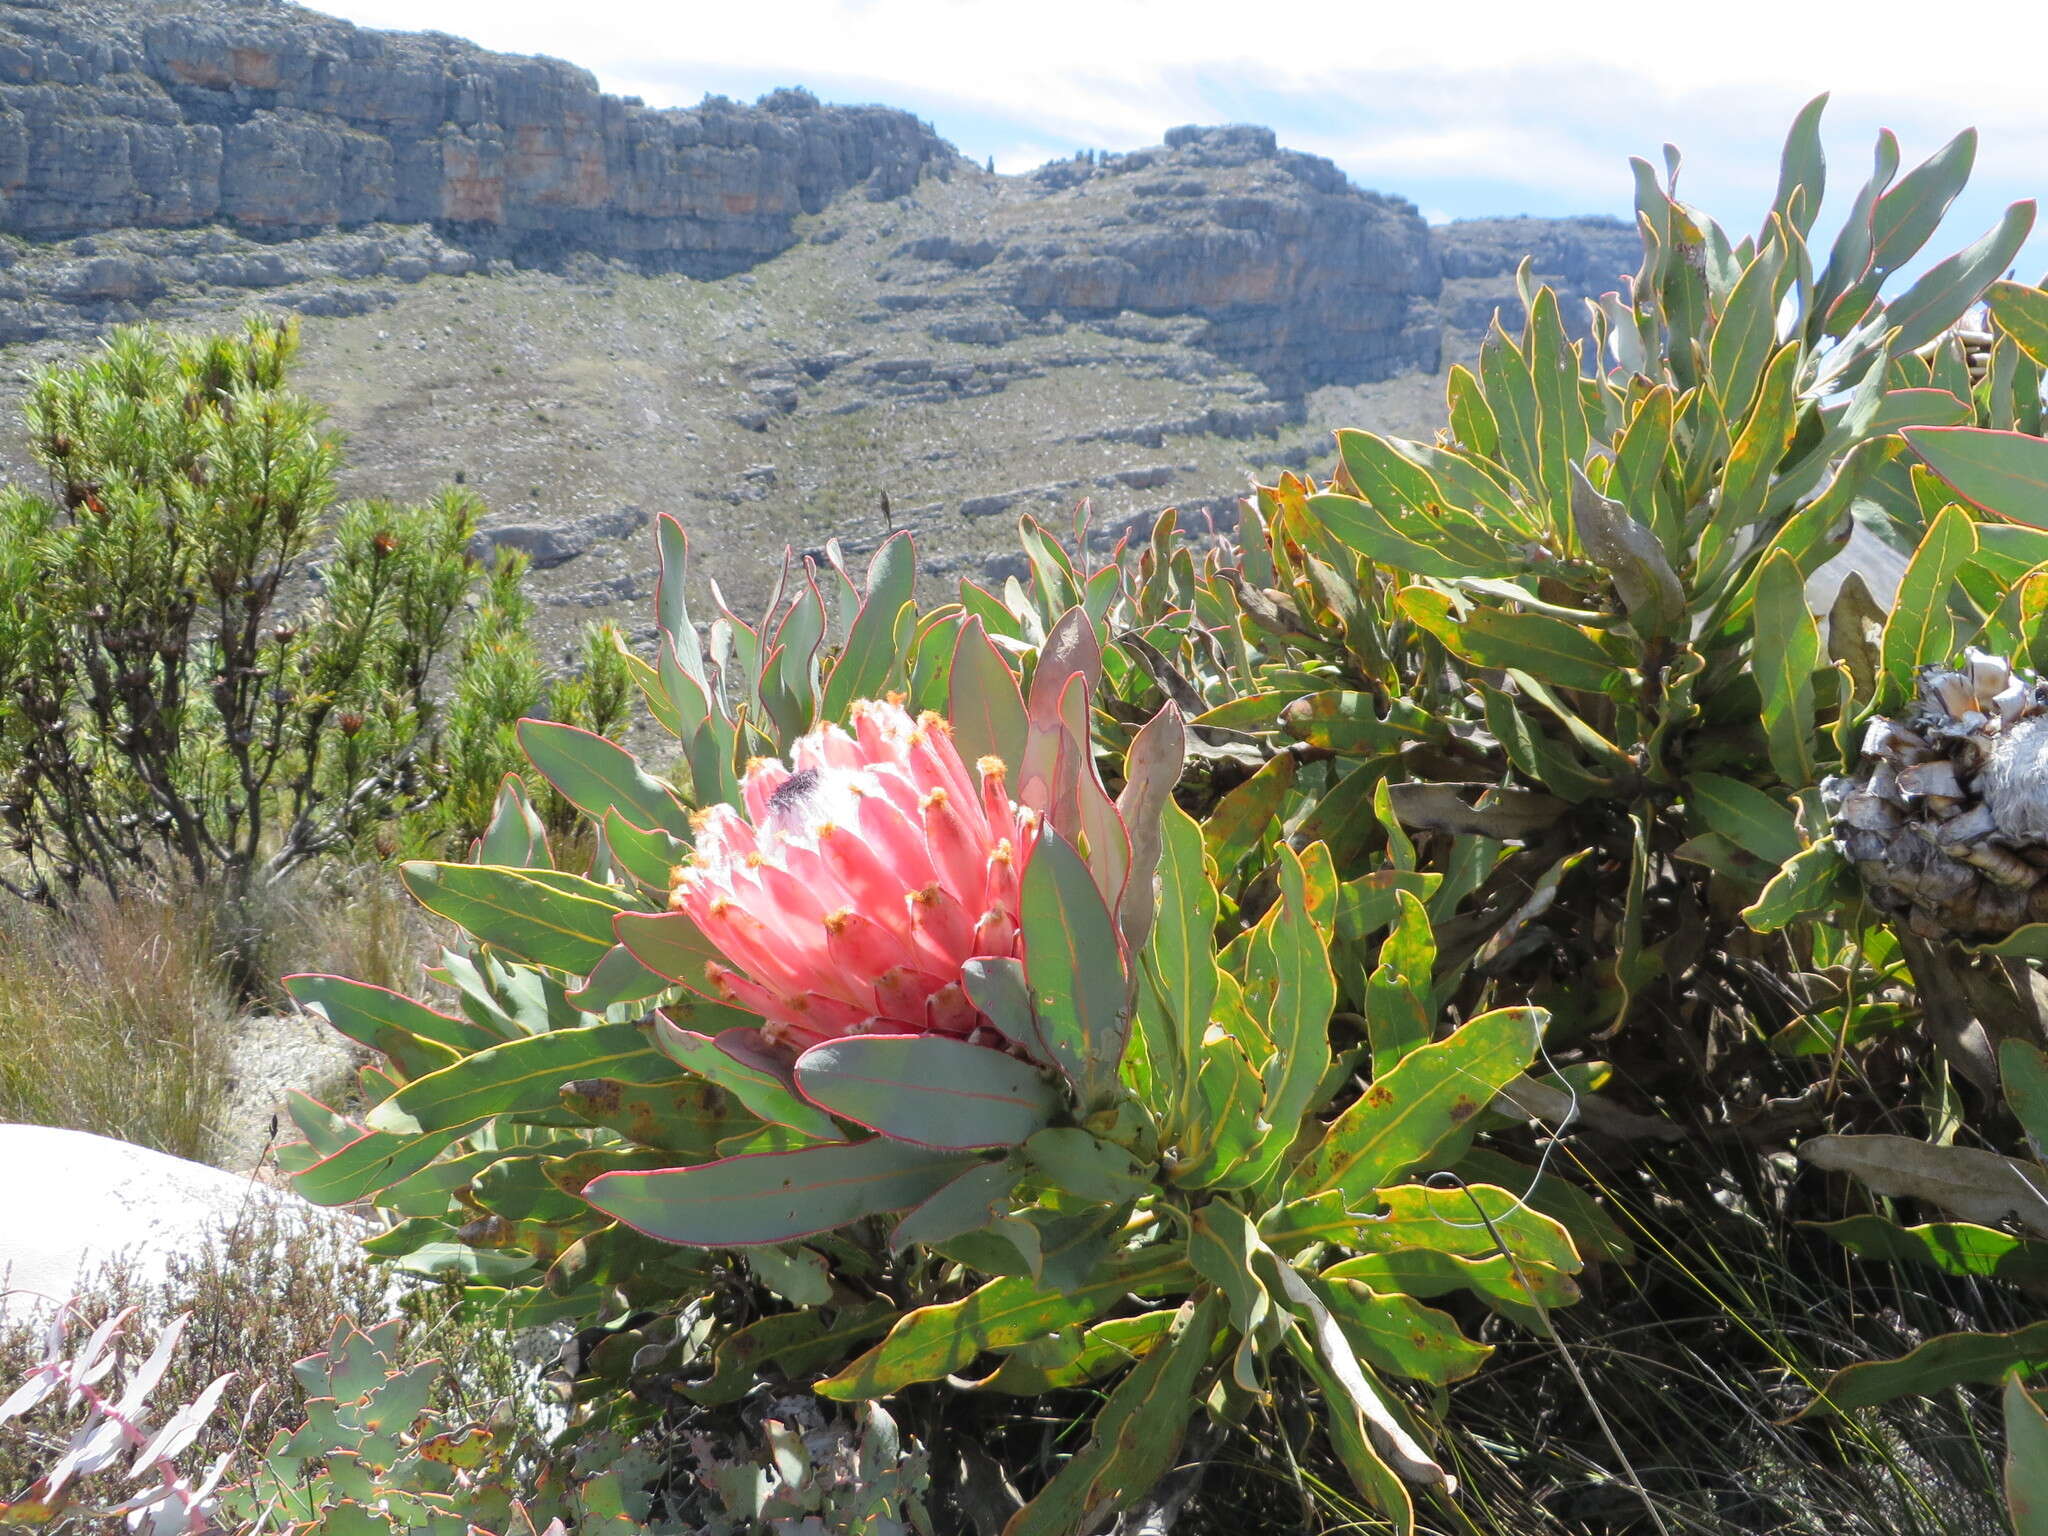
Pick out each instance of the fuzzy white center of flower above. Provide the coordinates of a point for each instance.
(811, 798)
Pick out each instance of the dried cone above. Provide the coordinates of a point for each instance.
(1946, 819)
(863, 877)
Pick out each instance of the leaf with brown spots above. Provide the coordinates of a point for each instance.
(1420, 1108)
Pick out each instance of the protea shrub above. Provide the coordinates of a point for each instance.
(863, 876)
(899, 1040)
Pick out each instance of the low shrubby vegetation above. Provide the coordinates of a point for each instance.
(1502, 995)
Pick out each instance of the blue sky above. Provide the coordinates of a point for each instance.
(1480, 108)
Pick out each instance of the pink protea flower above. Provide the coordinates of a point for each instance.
(864, 875)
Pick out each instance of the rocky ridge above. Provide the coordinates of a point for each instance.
(279, 121)
(757, 317)
(205, 149)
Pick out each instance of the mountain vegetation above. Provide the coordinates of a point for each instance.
(1488, 980)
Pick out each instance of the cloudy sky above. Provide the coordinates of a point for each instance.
(1469, 107)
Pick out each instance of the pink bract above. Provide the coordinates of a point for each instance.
(865, 874)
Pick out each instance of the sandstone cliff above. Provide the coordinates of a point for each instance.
(188, 129)
(1288, 269)
(280, 121)
(1581, 258)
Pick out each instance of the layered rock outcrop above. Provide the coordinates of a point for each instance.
(165, 158)
(1295, 273)
(1580, 258)
(280, 121)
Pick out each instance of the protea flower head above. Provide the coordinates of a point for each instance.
(864, 875)
(1947, 817)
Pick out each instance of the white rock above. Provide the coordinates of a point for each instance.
(72, 1201)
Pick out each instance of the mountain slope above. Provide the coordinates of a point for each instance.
(760, 318)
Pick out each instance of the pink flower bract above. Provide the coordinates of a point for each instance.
(863, 876)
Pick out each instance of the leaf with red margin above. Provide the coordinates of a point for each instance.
(758, 1078)
(928, 1090)
(2004, 473)
(772, 1197)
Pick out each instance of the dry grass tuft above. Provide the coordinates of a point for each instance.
(115, 1018)
(343, 919)
(120, 1015)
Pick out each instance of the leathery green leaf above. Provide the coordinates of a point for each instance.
(970, 1202)
(1560, 653)
(360, 1011)
(2023, 1073)
(761, 1080)
(796, 1343)
(649, 856)
(1369, 903)
(1423, 1107)
(936, 1341)
(984, 704)
(1086, 1166)
(596, 775)
(1399, 1017)
(1390, 1435)
(1803, 888)
(771, 1197)
(1367, 1468)
(618, 978)
(1785, 653)
(1921, 630)
(1508, 1283)
(1072, 964)
(2022, 313)
(1409, 544)
(521, 1076)
(996, 986)
(371, 1162)
(2026, 1458)
(1241, 820)
(1351, 723)
(1177, 968)
(1289, 989)
(1071, 1360)
(1746, 481)
(565, 929)
(1223, 1247)
(1464, 1221)
(1397, 1333)
(1137, 1433)
(2004, 473)
(869, 659)
(1943, 1361)
(928, 1089)
(1953, 1247)
(1746, 816)
(669, 944)
(1225, 1126)
(515, 835)
(686, 1116)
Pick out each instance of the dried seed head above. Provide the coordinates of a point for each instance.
(1947, 819)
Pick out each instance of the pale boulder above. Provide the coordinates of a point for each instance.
(72, 1201)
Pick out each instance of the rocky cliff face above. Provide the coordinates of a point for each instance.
(1580, 258)
(279, 124)
(1295, 274)
(168, 158)
(280, 121)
